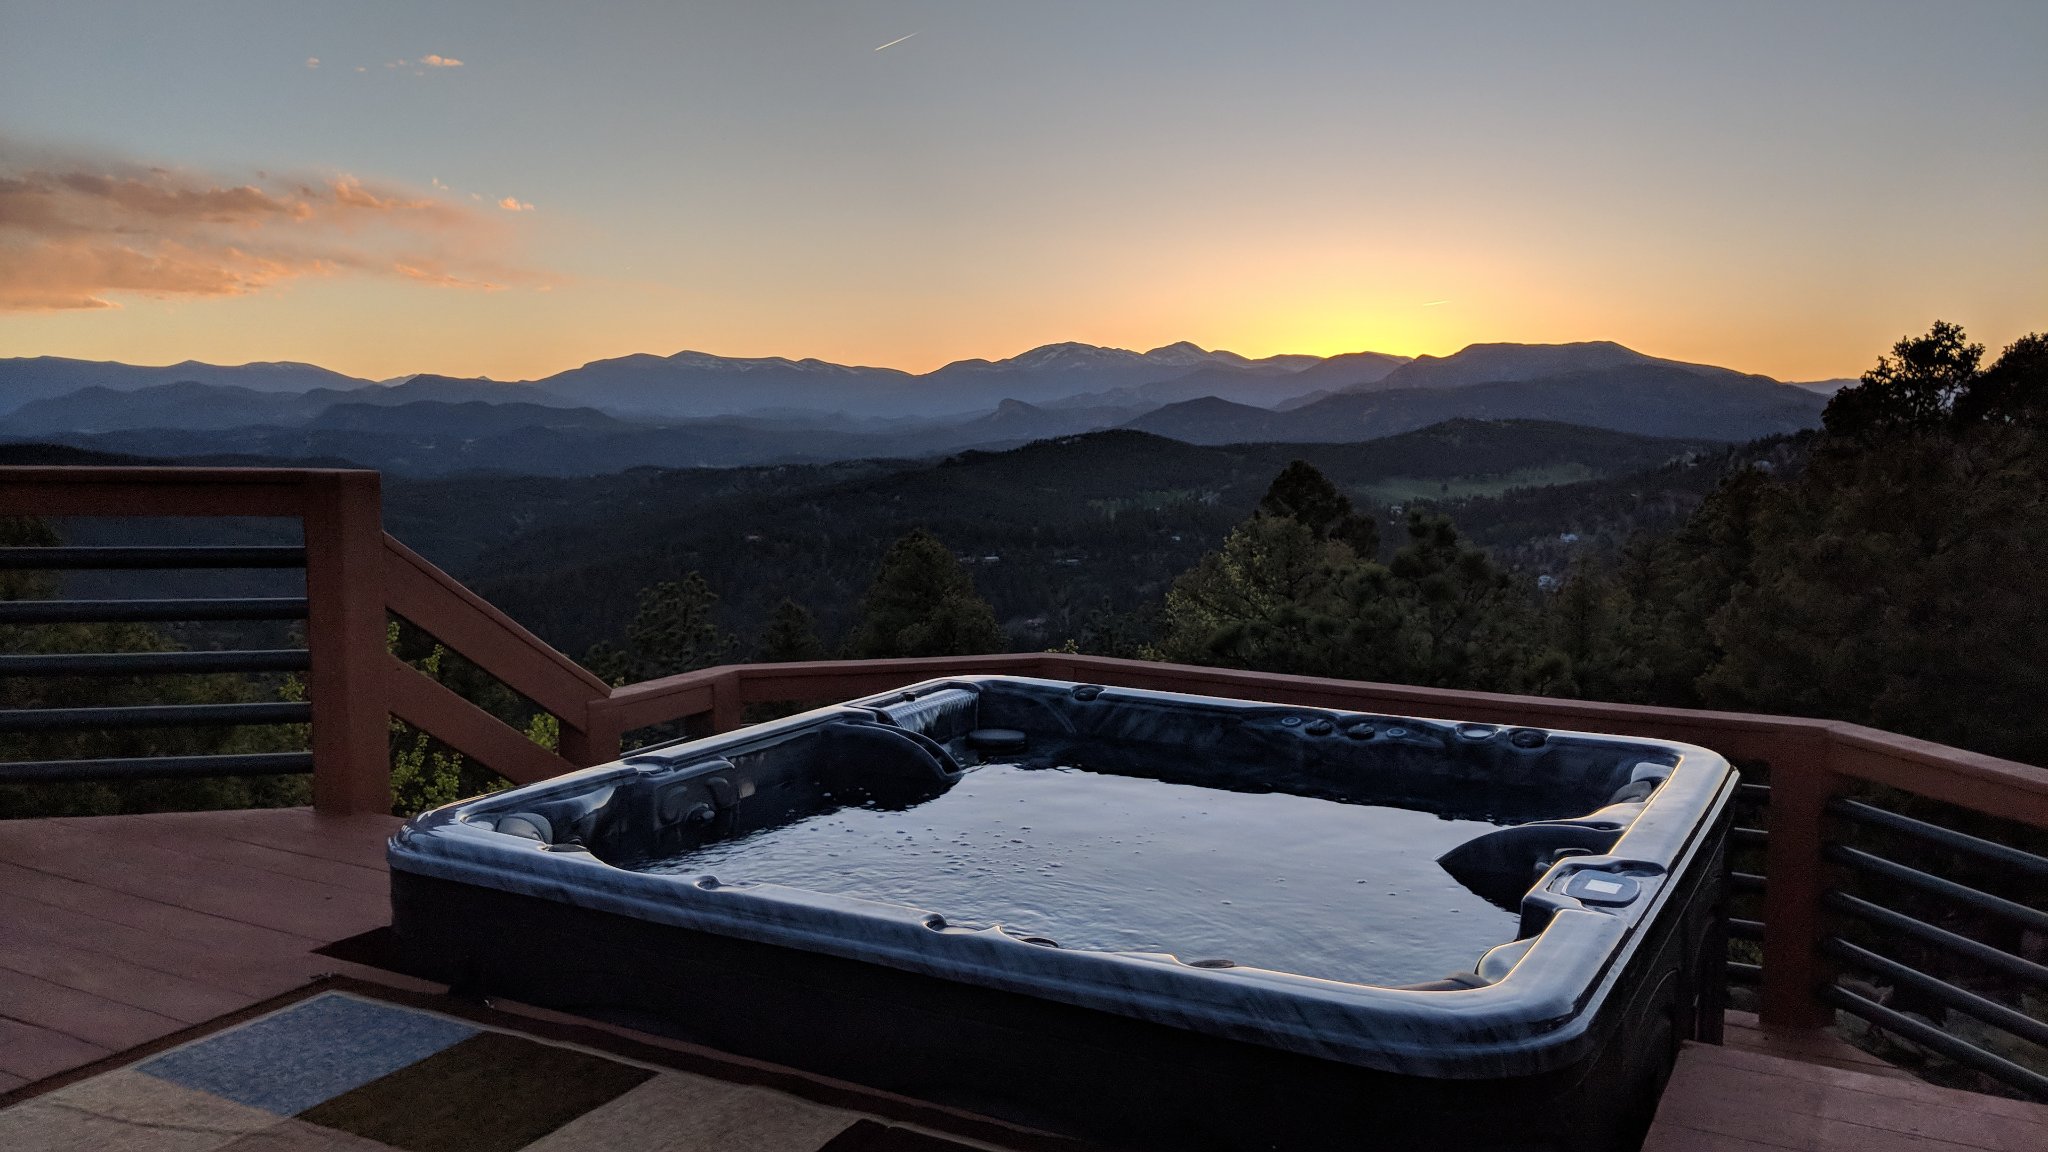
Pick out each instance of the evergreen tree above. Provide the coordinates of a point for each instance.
(1281, 596)
(673, 632)
(1887, 575)
(792, 635)
(1261, 601)
(1463, 621)
(923, 603)
(1301, 492)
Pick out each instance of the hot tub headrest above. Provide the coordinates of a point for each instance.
(891, 767)
(1501, 866)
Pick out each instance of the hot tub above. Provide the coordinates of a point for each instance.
(1155, 920)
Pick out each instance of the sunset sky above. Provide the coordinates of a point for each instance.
(511, 189)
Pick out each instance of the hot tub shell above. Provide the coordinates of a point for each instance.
(1560, 1039)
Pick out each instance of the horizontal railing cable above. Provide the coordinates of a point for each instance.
(2031, 918)
(155, 663)
(155, 767)
(1997, 853)
(152, 716)
(236, 556)
(2017, 967)
(1928, 1036)
(1989, 1011)
(151, 611)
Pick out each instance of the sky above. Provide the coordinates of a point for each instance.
(512, 189)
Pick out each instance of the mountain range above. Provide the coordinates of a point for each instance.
(692, 409)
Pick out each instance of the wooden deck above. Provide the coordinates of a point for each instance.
(116, 931)
(1744, 1099)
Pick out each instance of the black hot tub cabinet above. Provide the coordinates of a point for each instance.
(1601, 856)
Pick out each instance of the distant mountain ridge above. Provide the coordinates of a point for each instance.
(26, 378)
(1653, 400)
(693, 409)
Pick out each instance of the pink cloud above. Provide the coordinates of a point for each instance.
(515, 204)
(433, 61)
(77, 233)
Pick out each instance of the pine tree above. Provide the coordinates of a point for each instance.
(672, 632)
(792, 635)
(923, 603)
(1301, 492)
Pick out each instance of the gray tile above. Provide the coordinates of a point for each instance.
(126, 1111)
(308, 1053)
(679, 1112)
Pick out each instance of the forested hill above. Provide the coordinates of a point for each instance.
(1072, 524)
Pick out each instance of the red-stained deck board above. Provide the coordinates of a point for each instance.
(227, 848)
(31, 1053)
(116, 978)
(1728, 1099)
(119, 930)
(186, 878)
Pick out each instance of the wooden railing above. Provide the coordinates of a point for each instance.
(357, 577)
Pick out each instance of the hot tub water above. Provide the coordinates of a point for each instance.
(1347, 892)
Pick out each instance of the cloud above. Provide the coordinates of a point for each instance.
(312, 61)
(515, 204)
(433, 61)
(78, 232)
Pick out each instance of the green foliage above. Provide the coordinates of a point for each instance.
(545, 730)
(1280, 598)
(1303, 493)
(1889, 575)
(1900, 587)
(424, 775)
(923, 603)
(673, 632)
(792, 635)
(1264, 600)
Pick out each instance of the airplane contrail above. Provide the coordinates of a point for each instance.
(1434, 303)
(895, 42)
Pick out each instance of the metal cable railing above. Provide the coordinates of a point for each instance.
(108, 719)
(2001, 982)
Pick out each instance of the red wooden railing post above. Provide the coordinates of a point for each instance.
(599, 741)
(1802, 782)
(726, 702)
(345, 635)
